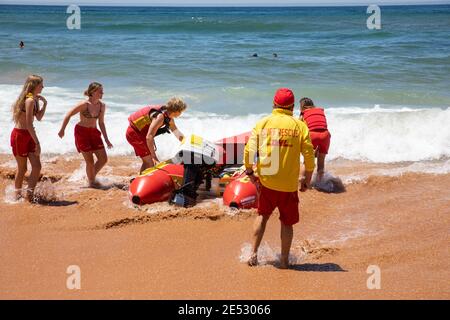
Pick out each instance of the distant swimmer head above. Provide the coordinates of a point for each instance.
(275, 55)
(175, 107)
(21, 44)
(95, 90)
(255, 55)
(306, 103)
(284, 98)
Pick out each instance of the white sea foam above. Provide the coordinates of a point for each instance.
(377, 134)
(9, 164)
(79, 175)
(10, 195)
(45, 191)
(437, 168)
(389, 135)
(342, 237)
(266, 255)
(430, 167)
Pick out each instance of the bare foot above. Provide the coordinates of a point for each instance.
(95, 185)
(31, 197)
(253, 260)
(284, 264)
(34, 199)
(18, 194)
(319, 176)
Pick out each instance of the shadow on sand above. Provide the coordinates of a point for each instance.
(312, 267)
(56, 203)
(317, 267)
(104, 187)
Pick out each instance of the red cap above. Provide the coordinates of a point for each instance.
(283, 98)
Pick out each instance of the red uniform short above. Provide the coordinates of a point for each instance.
(138, 139)
(22, 143)
(321, 139)
(287, 203)
(88, 139)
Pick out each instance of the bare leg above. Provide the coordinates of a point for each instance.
(90, 167)
(259, 227)
(287, 233)
(102, 159)
(320, 165)
(20, 174)
(147, 162)
(36, 167)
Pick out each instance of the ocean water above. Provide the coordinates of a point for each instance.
(386, 92)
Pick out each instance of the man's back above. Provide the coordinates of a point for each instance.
(279, 139)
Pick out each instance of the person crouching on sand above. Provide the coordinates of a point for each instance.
(316, 121)
(24, 141)
(277, 141)
(88, 138)
(149, 122)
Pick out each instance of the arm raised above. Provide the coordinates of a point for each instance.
(41, 112)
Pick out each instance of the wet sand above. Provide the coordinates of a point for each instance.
(399, 222)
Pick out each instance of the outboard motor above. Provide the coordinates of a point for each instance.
(198, 157)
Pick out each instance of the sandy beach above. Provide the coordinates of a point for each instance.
(398, 221)
(381, 74)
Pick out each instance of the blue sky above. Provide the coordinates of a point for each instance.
(222, 2)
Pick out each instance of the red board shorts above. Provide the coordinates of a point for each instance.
(139, 142)
(321, 139)
(287, 203)
(88, 139)
(22, 143)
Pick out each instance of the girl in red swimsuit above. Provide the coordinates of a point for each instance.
(24, 141)
(88, 140)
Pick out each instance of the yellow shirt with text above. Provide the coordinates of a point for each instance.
(277, 142)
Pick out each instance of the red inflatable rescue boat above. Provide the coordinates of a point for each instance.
(159, 183)
(156, 184)
(241, 193)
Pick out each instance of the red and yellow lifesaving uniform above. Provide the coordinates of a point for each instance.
(318, 129)
(139, 125)
(141, 119)
(278, 140)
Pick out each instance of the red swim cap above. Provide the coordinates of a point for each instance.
(283, 98)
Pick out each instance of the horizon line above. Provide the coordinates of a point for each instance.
(230, 5)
